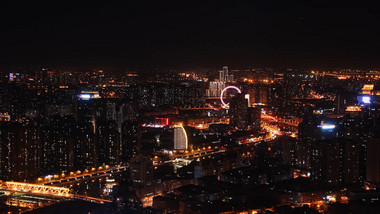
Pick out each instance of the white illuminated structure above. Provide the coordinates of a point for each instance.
(366, 99)
(85, 96)
(327, 126)
(180, 138)
(88, 95)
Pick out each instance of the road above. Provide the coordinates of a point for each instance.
(64, 180)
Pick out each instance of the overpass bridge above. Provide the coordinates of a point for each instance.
(47, 191)
(52, 187)
(79, 175)
(36, 189)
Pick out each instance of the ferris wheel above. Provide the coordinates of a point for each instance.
(226, 105)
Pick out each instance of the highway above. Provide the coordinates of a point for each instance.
(89, 174)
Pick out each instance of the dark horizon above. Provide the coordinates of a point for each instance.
(198, 34)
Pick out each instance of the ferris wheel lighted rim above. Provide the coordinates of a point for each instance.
(221, 94)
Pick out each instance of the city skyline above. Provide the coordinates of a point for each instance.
(306, 140)
(194, 107)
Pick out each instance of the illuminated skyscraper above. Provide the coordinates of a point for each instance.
(85, 146)
(180, 138)
(225, 72)
(215, 88)
(230, 78)
(221, 76)
(57, 144)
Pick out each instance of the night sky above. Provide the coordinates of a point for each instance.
(190, 33)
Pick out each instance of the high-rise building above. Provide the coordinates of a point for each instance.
(225, 72)
(141, 170)
(108, 138)
(29, 150)
(336, 162)
(332, 150)
(86, 110)
(289, 149)
(129, 140)
(180, 138)
(84, 146)
(344, 99)
(352, 162)
(313, 129)
(230, 78)
(215, 88)
(259, 94)
(238, 111)
(326, 162)
(221, 76)
(254, 117)
(57, 144)
(373, 161)
(19, 151)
